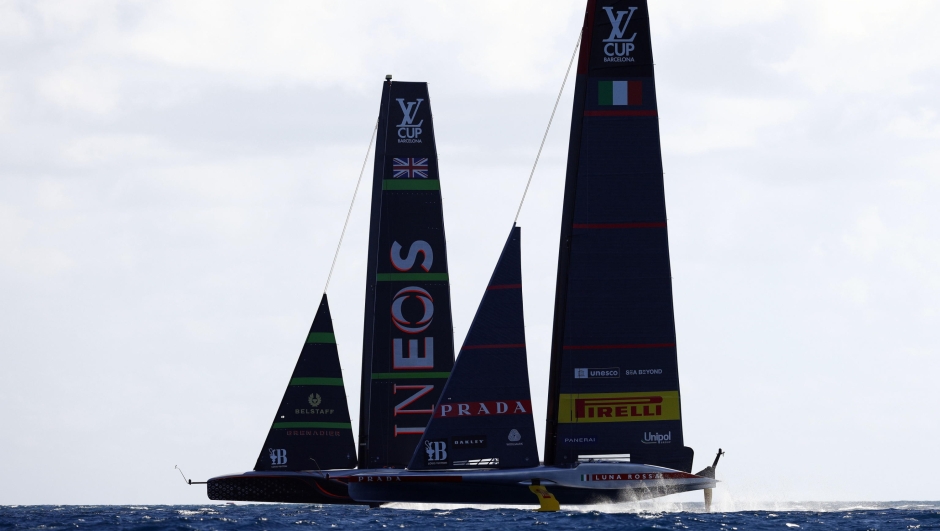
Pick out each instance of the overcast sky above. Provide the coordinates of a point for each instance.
(174, 178)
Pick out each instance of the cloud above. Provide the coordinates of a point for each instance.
(84, 89)
(20, 256)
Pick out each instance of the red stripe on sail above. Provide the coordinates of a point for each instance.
(643, 225)
(504, 286)
(605, 347)
(634, 93)
(512, 345)
(621, 113)
(587, 31)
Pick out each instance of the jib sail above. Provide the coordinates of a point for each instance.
(311, 430)
(484, 417)
(408, 340)
(614, 382)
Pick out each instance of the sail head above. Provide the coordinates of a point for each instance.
(614, 382)
(311, 430)
(484, 416)
(408, 339)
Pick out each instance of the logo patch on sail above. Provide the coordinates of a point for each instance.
(278, 457)
(436, 452)
(619, 93)
(618, 407)
(476, 441)
(408, 131)
(409, 168)
(617, 46)
(606, 372)
(483, 409)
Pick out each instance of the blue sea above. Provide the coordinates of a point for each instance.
(848, 516)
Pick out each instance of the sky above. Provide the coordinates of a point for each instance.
(174, 177)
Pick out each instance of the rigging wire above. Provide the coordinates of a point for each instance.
(549, 126)
(351, 203)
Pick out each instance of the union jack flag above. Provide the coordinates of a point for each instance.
(410, 168)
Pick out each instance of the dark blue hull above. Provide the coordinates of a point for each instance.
(285, 487)
(585, 484)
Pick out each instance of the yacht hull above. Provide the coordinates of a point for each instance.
(585, 484)
(281, 487)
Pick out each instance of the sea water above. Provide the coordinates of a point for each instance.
(847, 516)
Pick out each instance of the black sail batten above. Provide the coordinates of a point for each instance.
(484, 416)
(614, 383)
(408, 343)
(311, 430)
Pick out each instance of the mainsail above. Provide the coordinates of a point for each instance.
(408, 339)
(614, 382)
(311, 430)
(484, 416)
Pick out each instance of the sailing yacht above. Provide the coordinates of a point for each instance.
(614, 426)
(435, 430)
(408, 337)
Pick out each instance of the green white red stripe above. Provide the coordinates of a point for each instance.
(619, 92)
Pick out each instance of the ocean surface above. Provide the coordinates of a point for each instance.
(848, 516)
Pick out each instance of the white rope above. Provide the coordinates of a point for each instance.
(549, 126)
(351, 203)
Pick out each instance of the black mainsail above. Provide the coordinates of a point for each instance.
(408, 340)
(311, 430)
(614, 382)
(484, 417)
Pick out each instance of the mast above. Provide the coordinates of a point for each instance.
(368, 333)
(408, 338)
(567, 213)
(613, 381)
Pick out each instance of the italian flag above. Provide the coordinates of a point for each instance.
(619, 92)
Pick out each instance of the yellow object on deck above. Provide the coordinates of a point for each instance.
(547, 500)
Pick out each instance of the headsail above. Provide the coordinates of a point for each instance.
(408, 340)
(484, 417)
(311, 430)
(614, 382)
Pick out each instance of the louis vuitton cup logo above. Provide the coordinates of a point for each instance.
(617, 48)
(408, 131)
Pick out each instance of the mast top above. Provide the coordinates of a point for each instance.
(388, 77)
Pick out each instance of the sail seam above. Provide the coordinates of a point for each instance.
(321, 337)
(335, 425)
(504, 286)
(509, 345)
(603, 347)
(622, 113)
(397, 375)
(430, 277)
(641, 225)
(316, 381)
(433, 184)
